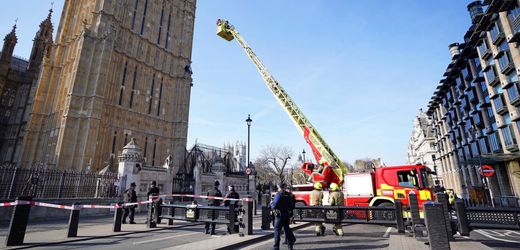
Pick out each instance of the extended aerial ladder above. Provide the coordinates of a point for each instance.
(321, 151)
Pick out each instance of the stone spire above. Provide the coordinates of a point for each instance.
(10, 41)
(42, 43)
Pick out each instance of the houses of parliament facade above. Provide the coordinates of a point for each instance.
(116, 70)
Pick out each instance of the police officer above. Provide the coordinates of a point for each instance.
(336, 199)
(282, 206)
(213, 202)
(154, 191)
(317, 200)
(231, 194)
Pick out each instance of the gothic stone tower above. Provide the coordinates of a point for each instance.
(119, 69)
(18, 84)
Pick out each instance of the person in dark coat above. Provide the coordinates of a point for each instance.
(213, 202)
(231, 194)
(282, 205)
(152, 192)
(130, 196)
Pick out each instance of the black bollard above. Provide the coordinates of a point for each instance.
(462, 217)
(72, 231)
(442, 198)
(117, 217)
(266, 212)
(170, 212)
(399, 216)
(157, 211)
(232, 218)
(414, 209)
(150, 223)
(436, 226)
(248, 216)
(18, 223)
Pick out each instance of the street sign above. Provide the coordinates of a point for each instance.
(487, 171)
(248, 171)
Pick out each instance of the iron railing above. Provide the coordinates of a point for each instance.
(49, 183)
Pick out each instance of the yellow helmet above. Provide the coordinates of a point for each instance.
(334, 187)
(317, 185)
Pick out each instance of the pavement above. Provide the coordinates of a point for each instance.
(96, 233)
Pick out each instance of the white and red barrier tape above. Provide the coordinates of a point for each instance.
(14, 203)
(75, 207)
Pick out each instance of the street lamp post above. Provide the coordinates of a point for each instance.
(303, 153)
(248, 121)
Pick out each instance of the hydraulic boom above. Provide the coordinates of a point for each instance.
(321, 151)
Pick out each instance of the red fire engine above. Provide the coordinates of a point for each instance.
(376, 188)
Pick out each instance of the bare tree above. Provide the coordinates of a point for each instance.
(276, 158)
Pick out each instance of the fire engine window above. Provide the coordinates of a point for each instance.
(407, 178)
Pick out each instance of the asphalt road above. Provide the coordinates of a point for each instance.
(147, 240)
(497, 239)
(357, 236)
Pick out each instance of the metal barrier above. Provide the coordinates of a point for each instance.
(486, 217)
(364, 215)
(235, 216)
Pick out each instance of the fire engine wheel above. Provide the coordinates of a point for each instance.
(383, 214)
(299, 204)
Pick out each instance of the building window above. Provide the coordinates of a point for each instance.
(496, 32)
(133, 87)
(494, 142)
(153, 154)
(160, 26)
(126, 139)
(465, 72)
(513, 19)
(151, 95)
(483, 48)
(505, 60)
(144, 16)
(491, 75)
(168, 30)
(499, 102)
(508, 132)
(512, 92)
(160, 96)
(145, 146)
(114, 142)
(509, 136)
(134, 13)
(122, 84)
(483, 145)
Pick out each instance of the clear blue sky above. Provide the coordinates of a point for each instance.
(359, 70)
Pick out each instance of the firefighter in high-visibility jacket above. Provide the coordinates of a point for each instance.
(317, 200)
(336, 198)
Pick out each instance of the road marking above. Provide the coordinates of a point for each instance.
(487, 234)
(165, 238)
(387, 232)
(509, 232)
